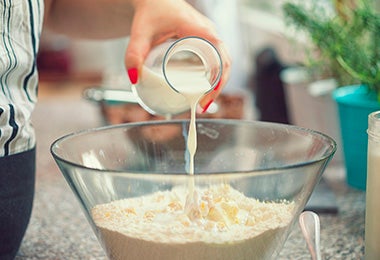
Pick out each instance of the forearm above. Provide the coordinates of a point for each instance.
(94, 19)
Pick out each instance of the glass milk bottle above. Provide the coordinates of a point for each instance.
(172, 64)
(372, 220)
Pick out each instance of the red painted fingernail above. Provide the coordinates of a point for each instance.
(207, 106)
(217, 85)
(133, 75)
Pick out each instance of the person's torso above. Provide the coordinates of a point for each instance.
(20, 29)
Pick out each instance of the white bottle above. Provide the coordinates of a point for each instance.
(372, 219)
(171, 65)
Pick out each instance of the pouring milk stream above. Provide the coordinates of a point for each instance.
(191, 67)
(192, 86)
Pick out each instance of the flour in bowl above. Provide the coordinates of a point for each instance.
(227, 225)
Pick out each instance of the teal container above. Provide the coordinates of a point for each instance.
(355, 103)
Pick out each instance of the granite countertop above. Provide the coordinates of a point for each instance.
(58, 228)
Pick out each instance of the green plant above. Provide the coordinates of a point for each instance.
(348, 37)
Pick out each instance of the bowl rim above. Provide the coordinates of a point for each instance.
(327, 157)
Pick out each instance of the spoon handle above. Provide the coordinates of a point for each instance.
(310, 227)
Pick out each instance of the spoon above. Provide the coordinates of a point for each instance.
(310, 226)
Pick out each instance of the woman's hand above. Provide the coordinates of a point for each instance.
(155, 22)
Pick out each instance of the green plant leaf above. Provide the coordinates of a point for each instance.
(351, 42)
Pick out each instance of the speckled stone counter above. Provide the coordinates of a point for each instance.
(59, 230)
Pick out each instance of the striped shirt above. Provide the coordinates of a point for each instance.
(20, 30)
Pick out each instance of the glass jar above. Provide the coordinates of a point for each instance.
(372, 219)
(171, 65)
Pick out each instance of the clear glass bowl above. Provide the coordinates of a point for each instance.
(255, 168)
